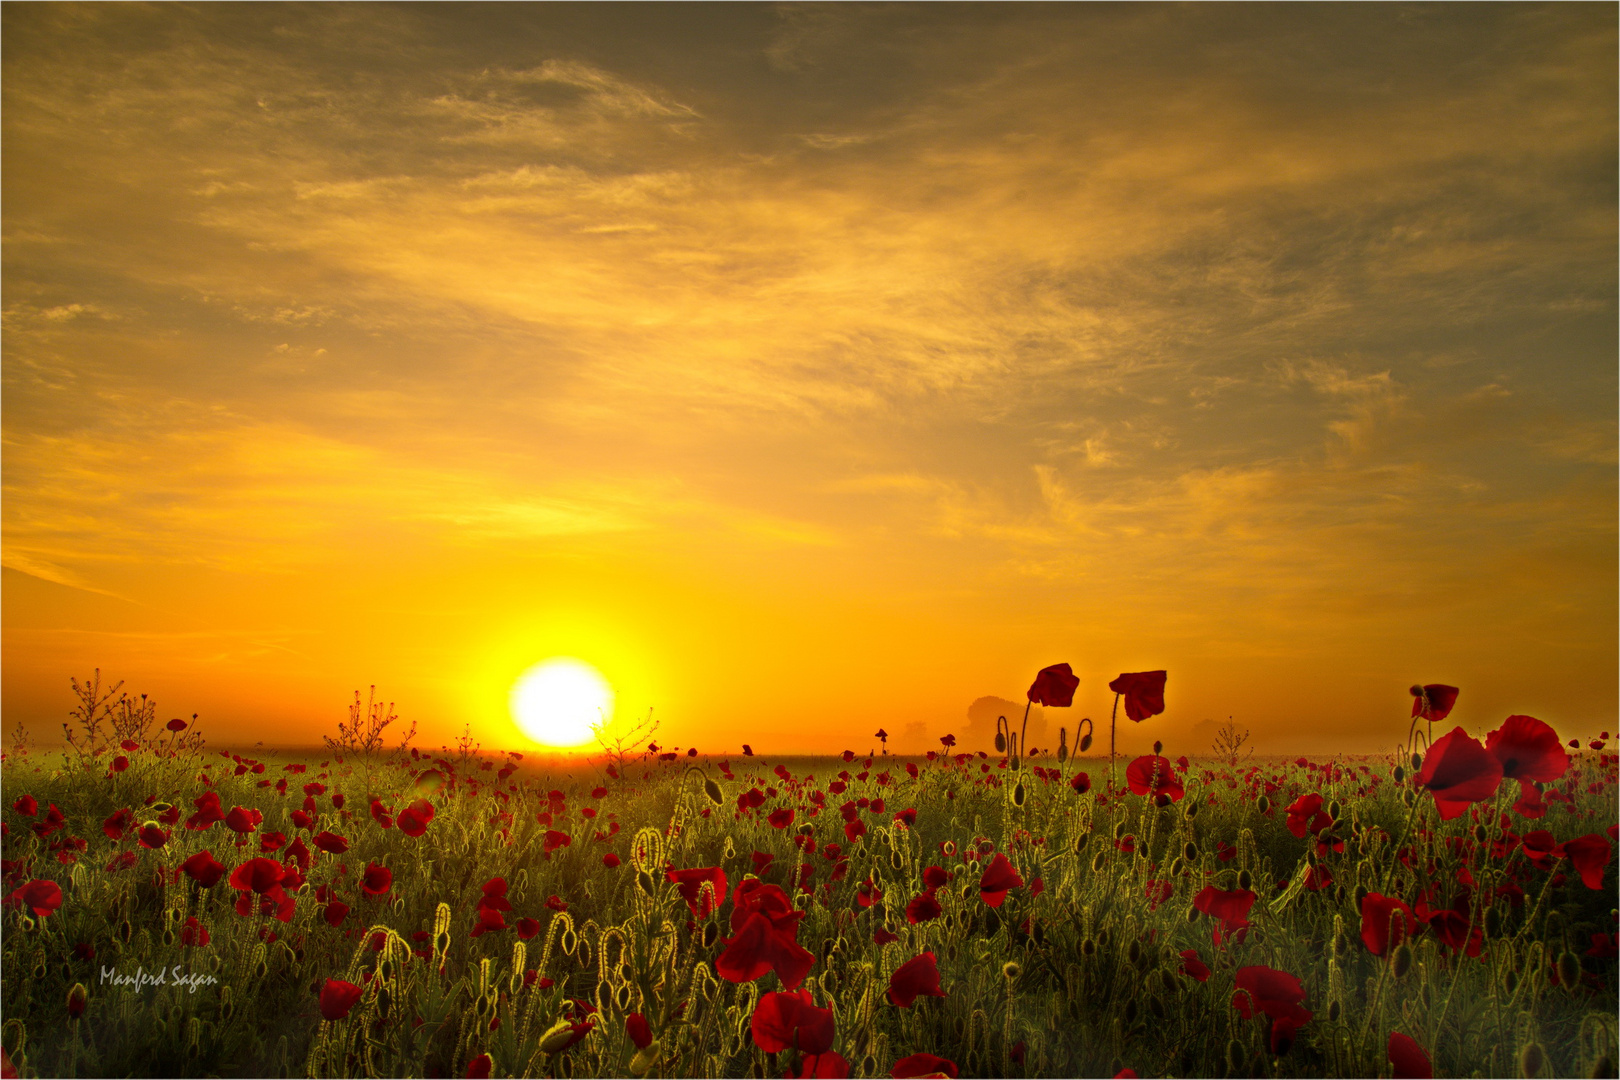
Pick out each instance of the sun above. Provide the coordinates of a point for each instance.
(556, 701)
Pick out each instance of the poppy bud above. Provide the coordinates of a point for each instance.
(1334, 1011)
(986, 847)
(1010, 970)
(1603, 1066)
(1156, 1007)
(1407, 798)
(1119, 830)
(1190, 852)
(1417, 761)
(1001, 743)
(712, 790)
(1176, 866)
(1569, 969)
(77, 998)
(644, 1060)
(1359, 895)
(125, 931)
(644, 882)
(1098, 860)
(1234, 1055)
(1334, 809)
(1245, 879)
(1341, 944)
(868, 1066)
(1192, 809)
(226, 1006)
(1018, 793)
(441, 943)
(1510, 980)
(1158, 747)
(1131, 1012)
(1493, 923)
(1134, 953)
(1399, 774)
(569, 942)
(557, 1036)
(1085, 743)
(711, 934)
(168, 937)
(1401, 961)
(949, 848)
(1080, 844)
(1088, 947)
(1192, 914)
(992, 922)
(622, 996)
(1263, 804)
(896, 862)
(1531, 1059)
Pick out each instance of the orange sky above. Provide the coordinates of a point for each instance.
(808, 369)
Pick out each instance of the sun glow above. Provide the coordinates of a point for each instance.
(556, 701)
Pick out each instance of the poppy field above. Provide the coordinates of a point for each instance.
(172, 909)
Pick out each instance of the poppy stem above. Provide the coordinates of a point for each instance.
(1395, 855)
(1113, 726)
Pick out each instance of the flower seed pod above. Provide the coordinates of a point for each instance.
(1493, 923)
(1131, 1012)
(1097, 861)
(712, 790)
(1335, 1010)
(77, 998)
(1134, 952)
(1191, 809)
(644, 882)
(1156, 1007)
(1080, 844)
(1234, 1056)
(1245, 879)
(1190, 851)
(1531, 1060)
(1085, 743)
(1401, 961)
(1018, 793)
(557, 1036)
(1569, 970)
(1263, 804)
(1011, 970)
(1001, 743)
(1088, 947)
(711, 934)
(1399, 774)
(1417, 761)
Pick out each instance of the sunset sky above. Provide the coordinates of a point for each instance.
(808, 369)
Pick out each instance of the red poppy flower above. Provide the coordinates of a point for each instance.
(1144, 693)
(490, 918)
(610, 860)
(825, 1066)
(690, 885)
(784, 1021)
(1305, 814)
(923, 908)
(1385, 923)
(122, 861)
(918, 1065)
(377, 880)
(151, 836)
(41, 896)
(335, 912)
(854, 829)
(915, 978)
(381, 815)
(204, 869)
(556, 839)
(413, 820)
(208, 811)
(1433, 701)
(882, 937)
(1275, 993)
(934, 877)
(331, 842)
(1458, 771)
(1153, 775)
(1157, 892)
(1192, 966)
(1452, 929)
(1530, 804)
(527, 928)
(27, 806)
(866, 893)
(194, 933)
(758, 948)
(1528, 750)
(1230, 906)
(755, 897)
(482, 1066)
(781, 819)
(257, 875)
(998, 878)
(118, 825)
(337, 998)
(906, 817)
(1081, 783)
(120, 763)
(1589, 855)
(1054, 686)
(176, 724)
(640, 1032)
(244, 821)
(1408, 1058)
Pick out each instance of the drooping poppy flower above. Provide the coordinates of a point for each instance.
(758, 948)
(1280, 1036)
(1433, 701)
(118, 825)
(1458, 771)
(1589, 855)
(790, 1021)
(377, 880)
(690, 884)
(640, 1032)
(1081, 783)
(923, 908)
(204, 869)
(1144, 693)
(41, 896)
(923, 1065)
(1305, 814)
(413, 820)
(194, 934)
(1153, 775)
(1230, 906)
(1528, 750)
(1275, 993)
(337, 998)
(1054, 686)
(1385, 922)
(1409, 1060)
(997, 879)
(917, 977)
(331, 842)
(1193, 967)
(27, 806)
(257, 875)
(824, 1066)
(556, 903)
(755, 897)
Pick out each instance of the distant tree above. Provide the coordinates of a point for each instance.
(1229, 742)
(620, 748)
